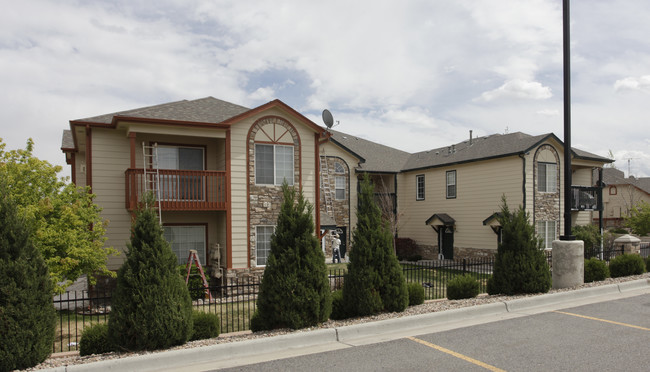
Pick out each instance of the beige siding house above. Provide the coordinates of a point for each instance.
(217, 167)
(446, 198)
(621, 194)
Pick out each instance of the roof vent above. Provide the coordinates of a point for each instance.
(470, 137)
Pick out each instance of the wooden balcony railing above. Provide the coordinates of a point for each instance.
(180, 190)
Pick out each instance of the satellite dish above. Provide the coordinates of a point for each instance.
(327, 118)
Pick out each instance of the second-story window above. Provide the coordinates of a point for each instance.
(273, 164)
(340, 187)
(451, 184)
(419, 187)
(546, 177)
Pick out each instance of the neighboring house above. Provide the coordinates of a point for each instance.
(219, 168)
(621, 195)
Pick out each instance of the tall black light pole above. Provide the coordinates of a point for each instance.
(567, 121)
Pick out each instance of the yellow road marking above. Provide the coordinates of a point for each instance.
(603, 320)
(457, 355)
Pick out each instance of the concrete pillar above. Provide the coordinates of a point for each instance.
(568, 263)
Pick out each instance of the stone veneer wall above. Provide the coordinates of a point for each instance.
(341, 208)
(264, 201)
(546, 206)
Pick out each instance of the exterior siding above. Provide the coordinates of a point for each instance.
(110, 158)
(479, 194)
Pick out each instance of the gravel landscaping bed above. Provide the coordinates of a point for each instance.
(64, 359)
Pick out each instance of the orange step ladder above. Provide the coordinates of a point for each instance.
(194, 258)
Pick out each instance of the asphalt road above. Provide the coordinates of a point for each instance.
(605, 336)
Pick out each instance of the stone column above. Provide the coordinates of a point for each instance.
(568, 263)
(631, 244)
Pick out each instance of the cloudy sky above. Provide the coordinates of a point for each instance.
(414, 75)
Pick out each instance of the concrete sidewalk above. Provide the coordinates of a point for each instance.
(307, 342)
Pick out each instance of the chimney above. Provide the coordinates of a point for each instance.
(470, 137)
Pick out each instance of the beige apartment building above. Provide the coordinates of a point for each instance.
(217, 168)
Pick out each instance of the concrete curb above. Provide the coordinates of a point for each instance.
(415, 322)
(303, 339)
(184, 357)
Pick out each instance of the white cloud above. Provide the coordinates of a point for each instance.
(518, 89)
(634, 84)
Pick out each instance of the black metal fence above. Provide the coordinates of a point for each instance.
(235, 302)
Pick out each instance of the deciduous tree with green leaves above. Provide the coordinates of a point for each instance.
(68, 228)
(639, 219)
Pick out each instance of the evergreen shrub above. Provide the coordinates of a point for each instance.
(464, 286)
(375, 280)
(295, 290)
(94, 340)
(595, 270)
(27, 315)
(416, 293)
(206, 325)
(195, 283)
(626, 265)
(338, 306)
(151, 306)
(520, 264)
(647, 263)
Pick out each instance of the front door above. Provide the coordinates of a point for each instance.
(446, 235)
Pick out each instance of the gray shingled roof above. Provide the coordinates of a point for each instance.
(67, 142)
(375, 157)
(203, 110)
(613, 176)
(380, 158)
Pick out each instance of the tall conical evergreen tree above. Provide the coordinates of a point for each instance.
(295, 291)
(520, 264)
(151, 305)
(27, 315)
(375, 281)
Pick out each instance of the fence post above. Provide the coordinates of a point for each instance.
(464, 265)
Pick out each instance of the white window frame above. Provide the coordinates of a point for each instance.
(266, 243)
(419, 187)
(181, 249)
(453, 184)
(548, 184)
(278, 178)
(547, 231)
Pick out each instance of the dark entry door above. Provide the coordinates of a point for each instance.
(447, 241)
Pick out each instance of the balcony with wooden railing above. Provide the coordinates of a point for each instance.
(180, 190)
(585, 198)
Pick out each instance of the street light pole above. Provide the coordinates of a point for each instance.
(567, 121)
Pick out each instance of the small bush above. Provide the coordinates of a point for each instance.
(647, 264)
(618, 230)
(94, 340)
(206, 325)
(195, 283)
(595, 270)
(338, 306)
(416, 293)
(414, 258)
(465, 286)
(626, 264)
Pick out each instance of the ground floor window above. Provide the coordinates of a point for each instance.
(263, 243)
(185, 237)
(546, 230)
